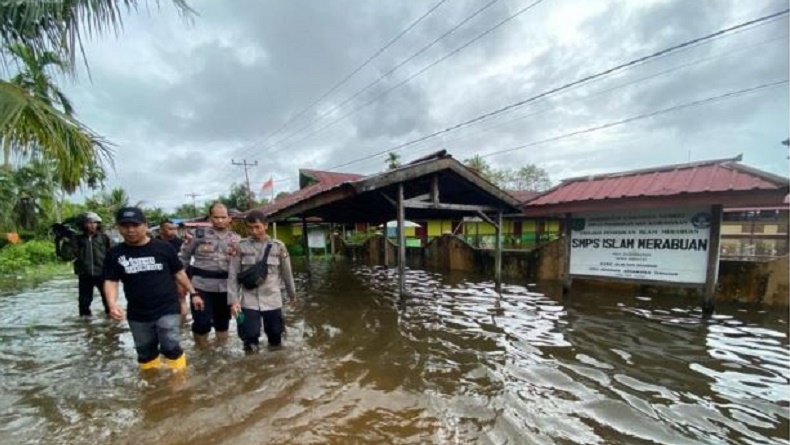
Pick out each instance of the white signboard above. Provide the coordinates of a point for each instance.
(653, 245)
(316, 239)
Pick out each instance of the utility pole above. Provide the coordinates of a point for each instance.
(194, 203)
(247, 176)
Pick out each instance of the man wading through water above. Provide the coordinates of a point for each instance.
(90, 248)
(211, 248)
(147, 267)
(255, 276)
(169, 234)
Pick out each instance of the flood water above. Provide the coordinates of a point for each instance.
(455, 363)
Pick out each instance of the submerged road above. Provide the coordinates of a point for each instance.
(454, 363)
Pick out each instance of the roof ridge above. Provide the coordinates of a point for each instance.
(655, 169)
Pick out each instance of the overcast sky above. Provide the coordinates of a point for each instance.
(182, 100)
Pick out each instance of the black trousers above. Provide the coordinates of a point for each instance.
(86, 283)
(250, 330)
(215, 313)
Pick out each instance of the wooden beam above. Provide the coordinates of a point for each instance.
(306, 244)
(435, 190)
(418, 198)
(488, 220)
(458, 207)
(401, 242)
(498, 253)
(712, 274)
(390, 200)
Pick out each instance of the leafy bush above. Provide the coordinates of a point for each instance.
(15, 258)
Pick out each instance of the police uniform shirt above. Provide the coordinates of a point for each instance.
(267, 296)
(211, 250)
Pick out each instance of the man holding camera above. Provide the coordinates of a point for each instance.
(255, 276)
(90, 247)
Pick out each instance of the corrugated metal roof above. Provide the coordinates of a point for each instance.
(326, 180)
(723, 175)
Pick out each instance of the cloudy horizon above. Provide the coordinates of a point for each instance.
(183, 99)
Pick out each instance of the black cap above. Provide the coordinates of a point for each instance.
(129, 215)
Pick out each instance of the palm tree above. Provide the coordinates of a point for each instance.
(47, 33)
(34, 77)
(393, 160)
(61, 26)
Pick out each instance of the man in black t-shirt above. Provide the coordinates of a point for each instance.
(147, 267)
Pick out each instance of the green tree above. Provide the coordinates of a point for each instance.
(393, 160)
(186, 211)
(26, 197)
(48, 32)
(155, 215)
(528, 177)
(107, 203)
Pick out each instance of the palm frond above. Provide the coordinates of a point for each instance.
(60, 26)
(36, 128)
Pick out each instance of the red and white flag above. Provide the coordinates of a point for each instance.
(268, 185)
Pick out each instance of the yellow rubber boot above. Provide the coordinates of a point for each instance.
(222, 337)
(178, 364)
(151, 364)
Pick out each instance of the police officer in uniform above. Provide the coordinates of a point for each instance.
(211, 249)
(258, 295)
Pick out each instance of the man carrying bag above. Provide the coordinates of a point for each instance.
(256, 274)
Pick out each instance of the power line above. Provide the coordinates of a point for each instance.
(712, 99)
(569, 85)
(350, 75)
(720, 97)
(623, 85)
(390, 71)
(662, 53)
(408, 79)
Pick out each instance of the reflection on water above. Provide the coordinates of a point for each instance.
(455, 362)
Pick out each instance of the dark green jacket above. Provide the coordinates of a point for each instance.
(90, 253)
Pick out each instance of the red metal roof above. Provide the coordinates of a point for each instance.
(330, 177)
(326, 180)
(724, 175)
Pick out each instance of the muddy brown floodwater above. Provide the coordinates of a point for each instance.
(455, 363)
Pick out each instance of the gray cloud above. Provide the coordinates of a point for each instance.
(182, 101)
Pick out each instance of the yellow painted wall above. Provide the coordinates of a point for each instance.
(729, 229)
(438, 227)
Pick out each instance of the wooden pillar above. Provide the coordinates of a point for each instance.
(566, 277)
(305, 243)
(401, 242)
(498, 252)
(712, 274)
(385, 246)
(332, 240)
(274, 230)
